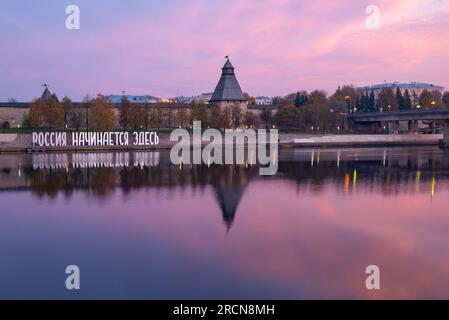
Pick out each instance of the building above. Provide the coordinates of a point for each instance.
(133, 99)
(414, 88)
(228, 91)
(264, 101)
(202, 98)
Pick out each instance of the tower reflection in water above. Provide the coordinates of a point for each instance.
(385, 171)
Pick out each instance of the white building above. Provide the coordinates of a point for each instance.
(414, 88)
(133, 99)
(264, 101)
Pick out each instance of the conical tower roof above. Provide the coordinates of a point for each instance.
(46, 94)
(228, 88)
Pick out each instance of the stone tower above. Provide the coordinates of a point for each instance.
(228, 91)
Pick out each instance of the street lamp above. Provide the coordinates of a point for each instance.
(348, 100)
(418, 106)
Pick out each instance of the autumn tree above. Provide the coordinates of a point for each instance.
(226, 121)
(199, 113)
(431, 99)
(387, 99)
(169, 113)
(236, 116)
(46, 114)
(101, 114)
(155, 117)
(249, 98)
(137, 116)
(124, 113)
(67, 106)
(250, 120)
(181, 117)
(286, 116)
(215, 115)
(344, 99)
(318, 97)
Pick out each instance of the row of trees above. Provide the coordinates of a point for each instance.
(314, 111)
(96, 114)
(99, 114)
(390, 99)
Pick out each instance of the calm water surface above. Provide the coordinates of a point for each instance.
(139, 227)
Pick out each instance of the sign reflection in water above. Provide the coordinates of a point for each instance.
(140, 227)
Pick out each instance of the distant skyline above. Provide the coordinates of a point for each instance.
(177, 47)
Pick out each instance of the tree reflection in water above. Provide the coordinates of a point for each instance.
(389, 171)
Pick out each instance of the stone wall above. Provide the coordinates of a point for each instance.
(12, 116)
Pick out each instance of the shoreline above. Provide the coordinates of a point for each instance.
(9, 144)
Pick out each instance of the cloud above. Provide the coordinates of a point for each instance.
(277, 47)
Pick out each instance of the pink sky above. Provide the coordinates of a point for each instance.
(178, 47)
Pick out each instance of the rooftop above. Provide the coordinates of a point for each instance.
(228, 88)
(415, 85)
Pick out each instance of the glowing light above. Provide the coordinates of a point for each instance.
(433, 187)
(354, 179)
(347, 183)
(417, 180)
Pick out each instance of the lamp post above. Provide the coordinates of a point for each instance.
(348, 100)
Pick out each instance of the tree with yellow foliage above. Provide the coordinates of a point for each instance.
(46, 114)
(101, 114)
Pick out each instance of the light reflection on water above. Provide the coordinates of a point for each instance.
(139, 227)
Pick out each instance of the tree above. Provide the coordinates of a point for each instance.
(344, 99)
(181, 117)
(101, 114)
(78, 118)
(226, 118)
(169, 113)
(137, 116)
(387, 99)
(199, 113)
(301, 99)
(249, 98)
(318, 97)
(215, 115)
(266, 116)
(407, 102)
(286, 116)
(236, 116)
(446, 99)
(250, 120)
(67, 106)
(399, 99)
(155, 116)
(124, 113)
(372, 102)
(26, 122)
(431, 99)
(46, 114)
